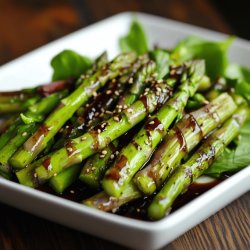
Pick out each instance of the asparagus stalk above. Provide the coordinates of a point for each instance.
(15, 107)
(62, 181)
(39, 140)
(95, 167)
(99, 137)
(33, 114)
(184, 136)
(195, 166)
(24, 131)
(103, 103)
(135, 154)
(103, 201)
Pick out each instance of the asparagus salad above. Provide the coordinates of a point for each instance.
(132, 134)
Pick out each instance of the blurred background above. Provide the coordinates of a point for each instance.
(28, 24)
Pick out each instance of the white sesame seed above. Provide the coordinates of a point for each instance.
(24, 133)
(104, 152)
(130, 80)
(70, 149)
(116, 118)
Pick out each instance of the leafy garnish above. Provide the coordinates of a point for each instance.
(240, 80)
(233, 160)
(214, 53)
(68, 63)
(162, 59)
(135, 40)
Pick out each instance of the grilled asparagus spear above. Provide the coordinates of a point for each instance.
(185, 174)
(185, 135)
(39, 140)
(133, 156)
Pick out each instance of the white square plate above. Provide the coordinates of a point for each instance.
(34, 68)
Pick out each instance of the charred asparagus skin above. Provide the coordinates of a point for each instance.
(36, 114)
(99, 137)
(37, 142)
(185, 135)
(194, 167)
(143, 144)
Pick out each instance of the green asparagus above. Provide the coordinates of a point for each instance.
(133, 156)
(95, 167)
(35, 114)
(99, 137)
(194, 167)
(38, 141)
(185, 135)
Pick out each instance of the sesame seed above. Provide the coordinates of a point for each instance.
(152, 122)
(125, 106)
(99, 131)
(94, 94)
(103, 125)
(131, 80)
(97, 114)
(35, 175)
(116, 118)
(83, 138)
(130, 110)
(117, 152)
(104, 152)
(102, 156)
(72, 191)
(24, 133)
(55, 174)
(112, 157)
(108, 92)
(70, 149)
(117, 93)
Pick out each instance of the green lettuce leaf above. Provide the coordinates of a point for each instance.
(233, 160)
(239, 79)
(135, 40)
(214, 53)
(68, 63)
(162, 59)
